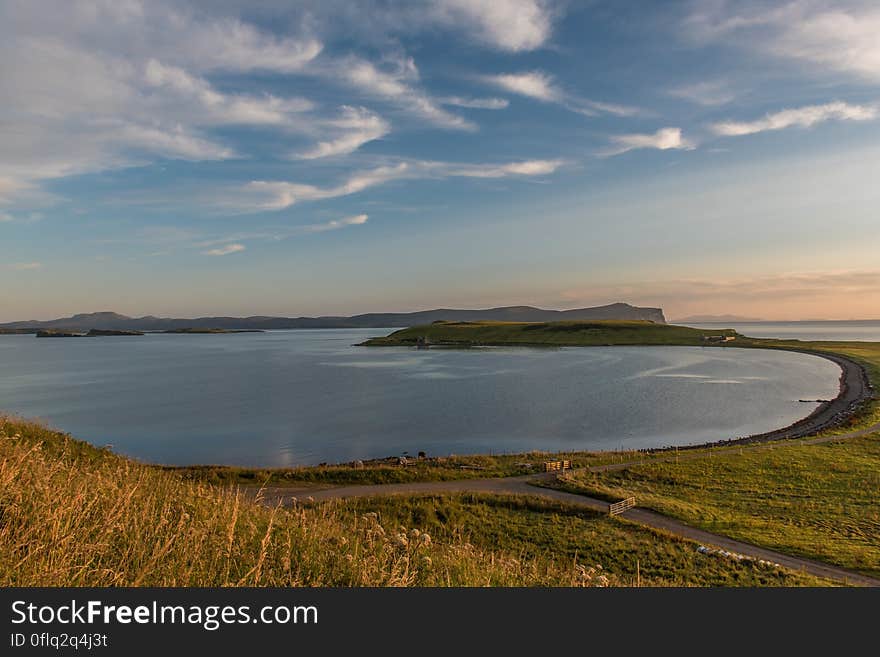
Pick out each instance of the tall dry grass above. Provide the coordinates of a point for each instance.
(75, 515)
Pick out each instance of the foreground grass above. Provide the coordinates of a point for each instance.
(817, 501)
(534, 529)
(74, 515)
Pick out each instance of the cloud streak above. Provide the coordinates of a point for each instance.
(24, 266)
(802, 117)
(261, 195)
(397, 85)
(357, 126)
(225, 250)
(336, 224)
(664, 139)
(542, 87)
(712, 93)
(476, 103)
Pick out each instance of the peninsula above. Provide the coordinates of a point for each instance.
(558, 334)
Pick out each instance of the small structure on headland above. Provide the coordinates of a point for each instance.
(718, 338)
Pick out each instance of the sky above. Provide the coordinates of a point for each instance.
(313, 158)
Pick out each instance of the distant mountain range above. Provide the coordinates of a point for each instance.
(115, 321)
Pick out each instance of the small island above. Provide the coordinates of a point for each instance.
(92, 333)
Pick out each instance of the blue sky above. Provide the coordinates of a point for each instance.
(322, 158)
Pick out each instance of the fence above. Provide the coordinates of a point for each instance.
(619, 507)
(552, 466)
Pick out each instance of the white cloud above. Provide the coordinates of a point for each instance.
(195, 94)
(524, 168)
(336, 224)
(593, 106)
(509, 26)
(225, 250)
(357, 125)
(663, 139)
(476, 103)
(803, 117)
(532, 84)
(541, 86)
(396, 85)
(512, 25)
(711, 93)
(83, 90)
(24, 266)
(5, 217)
(839, 35)
(260, 195)
(172, 142)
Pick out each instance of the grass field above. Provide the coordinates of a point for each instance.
(817, 501)
(542, 530)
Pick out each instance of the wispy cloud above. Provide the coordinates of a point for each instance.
(476, 103)
(84, 89)
(358, 127)
(511, 25)
(712, 93)
(835, 35)
(508, 26)
(663, 139)
(397, 85)
(802, 117)
(261, 195)
(225, 250)
(336, 224)
(234, 243)
(543, 87)
(532, 84)
(24, 266)
(184, 90)
(6, 217)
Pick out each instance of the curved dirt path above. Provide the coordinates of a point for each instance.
(525, 486)
(854, 388)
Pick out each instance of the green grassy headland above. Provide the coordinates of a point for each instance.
(553, 334)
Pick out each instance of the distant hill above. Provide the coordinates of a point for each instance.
(716, 318)
(115, 321)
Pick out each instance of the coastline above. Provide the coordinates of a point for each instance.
(855, 390)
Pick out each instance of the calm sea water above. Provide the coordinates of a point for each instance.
(861, 330)
(286, 398)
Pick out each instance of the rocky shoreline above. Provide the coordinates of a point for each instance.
(855, 391)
